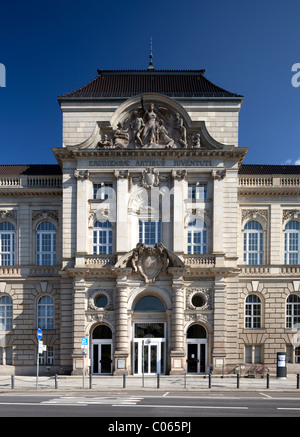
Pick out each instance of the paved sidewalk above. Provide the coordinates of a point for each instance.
(168, 383)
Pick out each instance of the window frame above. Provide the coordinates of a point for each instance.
(7, 257)
(45, 321)
(290, 233)
(106, 193)
(253, 312)
(197, 231)
(153, 234)
(6, 312)
(196, 189)
(292, 313)
(42, 255)
(102, 238)
(253, 233)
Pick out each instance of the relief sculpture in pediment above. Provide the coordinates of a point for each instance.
(150, 126)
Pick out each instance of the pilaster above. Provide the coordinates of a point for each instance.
(122, 213)
(79, 324)
(82, 220)
(177, 354)
(121, 355)
(219, 340)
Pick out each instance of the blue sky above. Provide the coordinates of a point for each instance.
(247, 47)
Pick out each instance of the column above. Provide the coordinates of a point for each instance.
(121, 355)
(178, 356)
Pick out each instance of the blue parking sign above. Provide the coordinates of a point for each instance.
(84, 343)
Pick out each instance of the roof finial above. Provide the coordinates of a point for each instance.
(151, 57)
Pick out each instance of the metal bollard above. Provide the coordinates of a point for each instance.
(298, 380)
(91, 381)
(158, 380)
(12, 382)
(268, 380)
(238, 380)
(185, 380)
(55, 382)
(209, 380)
(124, 380)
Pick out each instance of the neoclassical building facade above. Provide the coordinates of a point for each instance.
(150, 237)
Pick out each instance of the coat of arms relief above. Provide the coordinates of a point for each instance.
(149, 261)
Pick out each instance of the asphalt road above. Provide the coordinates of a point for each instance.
(164, 409)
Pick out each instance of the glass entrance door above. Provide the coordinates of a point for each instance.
(149, 357)
(196, 357)
(149, 348)
(102, 360)
(151, 362)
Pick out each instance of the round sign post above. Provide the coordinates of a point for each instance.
(39, 335)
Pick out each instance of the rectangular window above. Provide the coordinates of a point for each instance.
(7, 249)
(197, 191)
(103, 191)
(253, 354)
(6, 356)
(149, 232)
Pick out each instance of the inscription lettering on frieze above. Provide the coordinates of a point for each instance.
(152, 162)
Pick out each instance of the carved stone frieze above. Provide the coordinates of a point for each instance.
(254, 213)
(289, 214)
(44, 215)
(6, 214)
(196, 317)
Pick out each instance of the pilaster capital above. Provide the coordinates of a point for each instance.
(81, 174)
(121, 174)
(218, 173)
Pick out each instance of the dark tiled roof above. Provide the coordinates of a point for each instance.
(254, 169)
(30, 170)
(118, 83)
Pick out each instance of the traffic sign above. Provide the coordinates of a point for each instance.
(84, 343)
(39, 334)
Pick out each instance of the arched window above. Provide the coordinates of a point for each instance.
(102, 332)
(46, 244)
(196, 331)
(292, 311)
(102, 238)
(149, 232)
(253, 312)
(149, 304)
(292, 243)
(197, 237)
(45, 313)
(6, 313)
(7, 244)
(253, 243)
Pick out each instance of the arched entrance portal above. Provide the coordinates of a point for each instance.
(149, 336)
(196, 341)
(101, 360)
